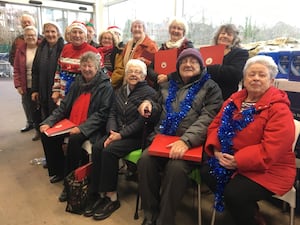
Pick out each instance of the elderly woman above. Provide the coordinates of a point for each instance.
(87, 105)
(112, 57)
(249, 144)
(178, 30)
(140, 46)
(44, 67)
(125, 130)
(68, 63)
(228, 74)
(191, 92)
(23, 76)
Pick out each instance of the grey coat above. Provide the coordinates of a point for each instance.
(193, 128)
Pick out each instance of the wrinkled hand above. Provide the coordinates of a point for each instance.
(226, 160)
(178, 148)
(161, 78)
(44, 127)
(75, 130)
(145, 109)
(112, 137)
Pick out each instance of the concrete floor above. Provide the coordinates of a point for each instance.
(28, 198)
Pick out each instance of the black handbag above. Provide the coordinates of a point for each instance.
(76, 184)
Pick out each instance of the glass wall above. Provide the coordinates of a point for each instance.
(257, 20)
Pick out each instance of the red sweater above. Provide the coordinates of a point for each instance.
(69, 64)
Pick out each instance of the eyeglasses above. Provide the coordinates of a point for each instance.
(138, 72)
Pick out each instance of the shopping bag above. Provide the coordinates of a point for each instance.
(77, 189)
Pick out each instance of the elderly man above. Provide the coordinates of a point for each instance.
(191, 92)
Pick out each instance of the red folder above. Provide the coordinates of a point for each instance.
(213, 54)
(165, 61)
(61, 127)
(159, 147)
(83, 171)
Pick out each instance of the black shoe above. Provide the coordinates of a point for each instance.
(37, 136)
(26, 128)
(92, 205)
(106, 209)
(63, 196)
(56, 179)
(148, 222)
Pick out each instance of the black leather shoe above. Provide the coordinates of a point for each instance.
(92, 205)
(63, 196)
(106, 209)
(148, 222)
(56, 179)
(26, 128)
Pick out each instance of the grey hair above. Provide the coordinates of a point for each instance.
(136, 62)
(264, 60)
(181, 22)
(228, 28)
(28, 16)
(138, 22)
(91, 56)
(31, 28)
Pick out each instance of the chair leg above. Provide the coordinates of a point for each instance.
(199, 205)
(213, 218)
(136, 213)
(292, 216)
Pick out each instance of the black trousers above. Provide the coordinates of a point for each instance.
(240, 196)
(57, 162)
(76, 156)
(105, 167)
(162, 184)
(54, 154)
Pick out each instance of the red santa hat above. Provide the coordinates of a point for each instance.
(78, 25)
(116, 29)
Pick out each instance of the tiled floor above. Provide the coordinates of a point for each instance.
(27, 197)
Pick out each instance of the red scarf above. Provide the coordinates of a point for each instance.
(80, 109)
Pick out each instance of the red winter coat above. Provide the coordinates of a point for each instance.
(262, 150)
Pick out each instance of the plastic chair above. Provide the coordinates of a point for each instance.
(290, 196)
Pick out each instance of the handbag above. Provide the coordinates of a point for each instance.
(76, 184)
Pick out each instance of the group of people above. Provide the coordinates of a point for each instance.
(109, 92)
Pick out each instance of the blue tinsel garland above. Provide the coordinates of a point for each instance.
(69, 78)
(226, 132)
(173, 119)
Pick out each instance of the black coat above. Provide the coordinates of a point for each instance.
(100, 103)
(230, 73)
(124, 116)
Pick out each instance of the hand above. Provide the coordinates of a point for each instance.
(34, 96)
(145, 109)
(161, 78)
(55, 96)
(20, 91)
(75, 130)
(228, 161)
(178, 148)
(112, 137)
(44, 127)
